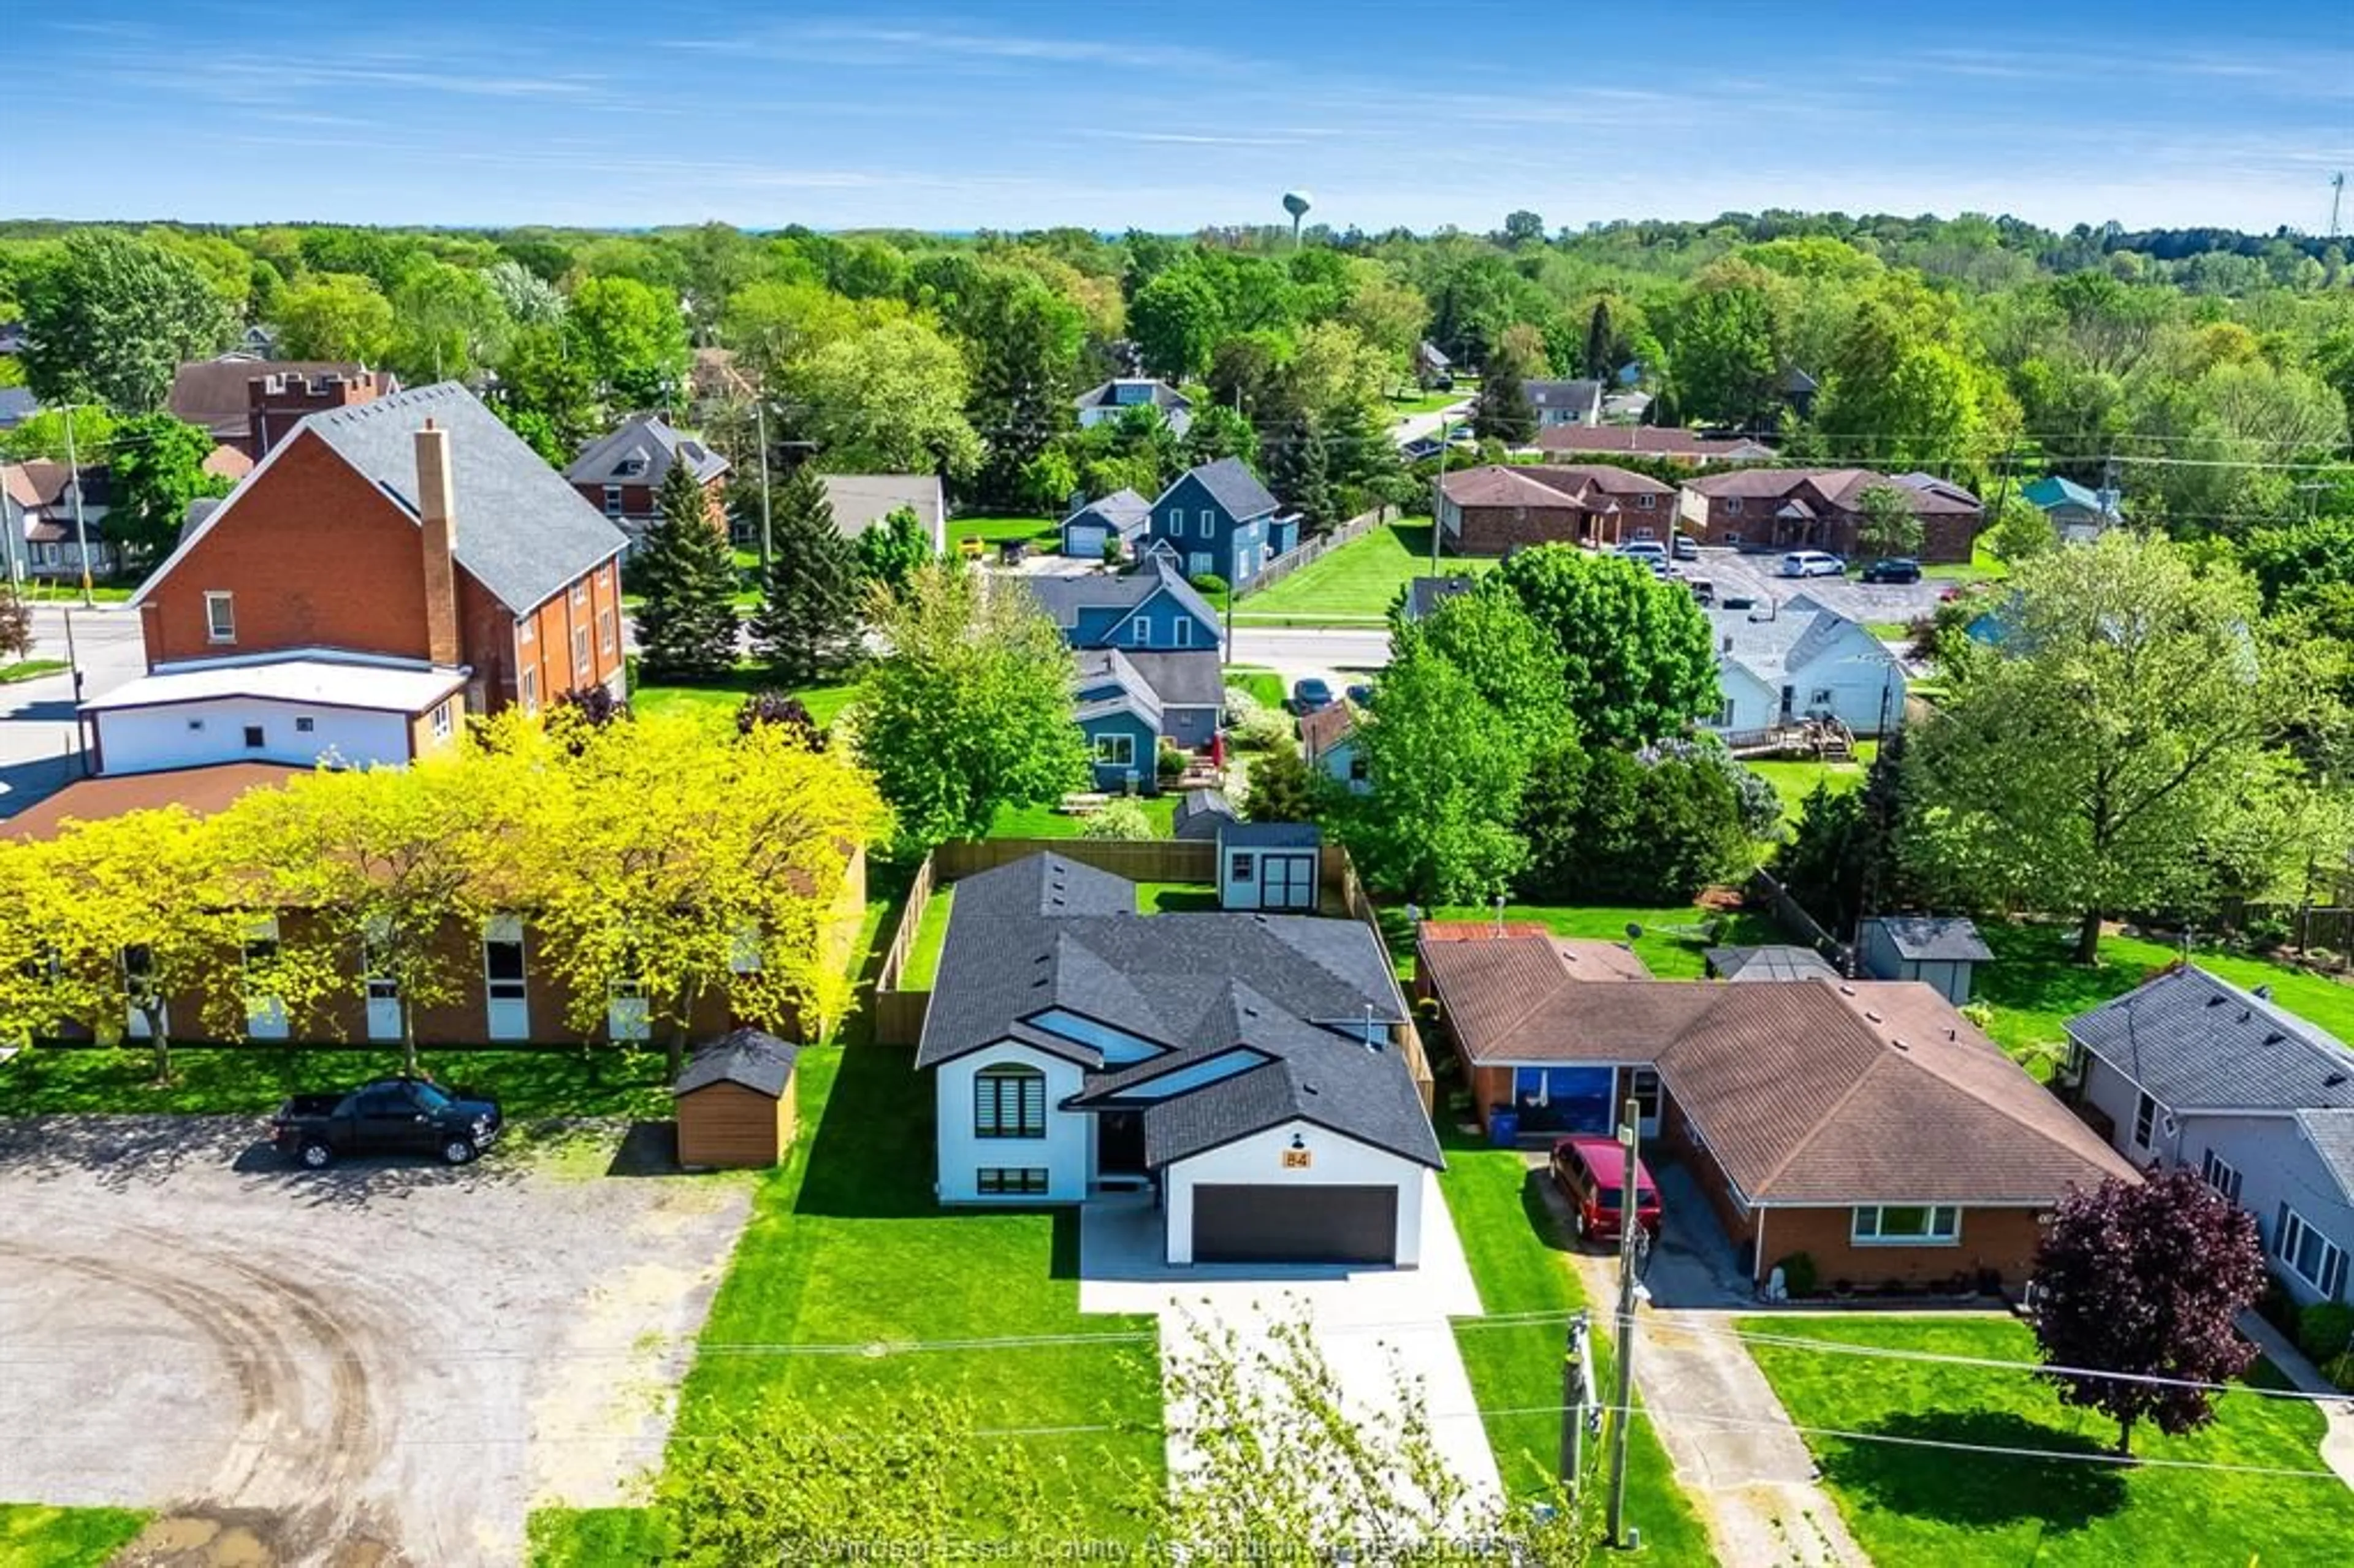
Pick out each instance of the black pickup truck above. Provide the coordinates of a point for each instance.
(385, 1116)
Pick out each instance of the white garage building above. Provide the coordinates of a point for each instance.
(1246, 1069)
(307, 708)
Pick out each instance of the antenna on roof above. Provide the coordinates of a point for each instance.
(1499, 903)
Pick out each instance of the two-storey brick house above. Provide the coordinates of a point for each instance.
(622, 473)
(385, 570)
(1822, 509)
(1218, 520)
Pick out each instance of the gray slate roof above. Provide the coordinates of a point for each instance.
(17, 405)
(1234, 487)
(1271, 835)
(1773, 961)
(1123, 511)
(1064, 596)
(1107, 395)
(640, 452)
(523, 531)
(1426, 594)
(751, 1057)
(2195, 1041)
(2331, 1133)
(1046, 932)
(1200, 813)
(1934, 938)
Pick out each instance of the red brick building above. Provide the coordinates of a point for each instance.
(1821, 509)
(1863, 1123)
(622, 474)
(1493, 510)
(411, 534)
(251, 404)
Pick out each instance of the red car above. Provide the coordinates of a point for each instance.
(1591, 1172)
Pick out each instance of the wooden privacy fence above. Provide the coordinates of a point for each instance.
(1348, 533)
(1138, 860)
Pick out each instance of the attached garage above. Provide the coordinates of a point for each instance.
(1295, 1225)
(1297, 1193)
(1084, 540)
(736, 1102)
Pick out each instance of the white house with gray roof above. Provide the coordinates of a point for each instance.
(2191, 1070)
(1248, 1068)
(1101, 405)
(1783, 663)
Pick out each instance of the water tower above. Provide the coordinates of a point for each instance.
(1296, 204)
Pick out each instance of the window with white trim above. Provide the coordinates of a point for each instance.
(999, 1181)
(2219, 1174)
(220, 617)
(530, 691)
(580, 591)
(612, 501)
(1645, 502)
(2144, 1120)
(527, 629)
(2310, 1256)
(1209, 524)
(1905, 1224)
(1645, 1090)
(1139, 629)
(1116, 750)
(1732, 507)
(1183, 636)
(441, 719)
(579, 651)
(605, 632)
(1009, 1101)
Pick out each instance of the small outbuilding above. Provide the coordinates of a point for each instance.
(1943, 951)
(1268, 865)
(1202, 815)
(736, 1101)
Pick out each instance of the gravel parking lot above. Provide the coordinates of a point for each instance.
(381, 1363)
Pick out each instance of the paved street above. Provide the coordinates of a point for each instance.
(1337, 655)
(37, 729)
(1415, 426)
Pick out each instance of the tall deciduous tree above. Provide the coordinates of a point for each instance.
(111, 317)
(1889, 526)
(686, 623)
(810, 599)
(157, 464)
(334, 315)
(2143, 1280)
(1638, 663)
(890, 400)
(970, 707)
(1177, 319)
(449, 323)
(632, 338)
(2132, 704)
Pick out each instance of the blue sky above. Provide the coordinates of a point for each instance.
(1024, 113)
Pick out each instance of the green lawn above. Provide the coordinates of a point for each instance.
(847, 1247)
(931, 932)
(1910, 1504)
(1045, 822)
(1517, 1260)
(825, 703)
(1794, 782)
(1425, 402)
(240, 1080)
(2035, 986)
(33, 1535)
(1356, 583)
(1668, 954)
(996, 530)
(40, 591)
(1174, 897)
(1265, 685)
(27, 669)
(1983, 566)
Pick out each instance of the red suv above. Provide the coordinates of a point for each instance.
(1591, 1172)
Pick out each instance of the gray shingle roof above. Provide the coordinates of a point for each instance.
(1123, 511)
(1184, 680)
(640, 452)
(1045, 932)
(1234, 487)
(1161, 395)
(1064, 596)
(523, 531)
(1563, 394)
(2331, 1133)
(1771, 646)
(1100, 667)
(1934, 938)
(1270, 836)
(2195, 1041)
(1426, 594)
(752, 1057)
(1771, 962)
(1200, 813)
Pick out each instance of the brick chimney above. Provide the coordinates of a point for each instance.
(438, 519)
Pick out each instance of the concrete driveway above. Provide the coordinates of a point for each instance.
(380, 1363)
(1378, 1329)
(37, 744)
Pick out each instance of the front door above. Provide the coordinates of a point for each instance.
(1120, 1143)
(383, 1007)
(507, 999)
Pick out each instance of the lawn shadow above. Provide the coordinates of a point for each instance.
(1171, 899)
(871, 1158)
(648, 1148)
(1990, 1490)
(1538, 1202)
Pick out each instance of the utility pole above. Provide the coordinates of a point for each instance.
(1631, 1134)
(760, 426)
(1438, 489)
(81, 529)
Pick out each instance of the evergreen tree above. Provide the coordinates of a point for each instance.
(808, 601)
(1597, 342)
(1502, 411)
(686, 627)
(1299, 472)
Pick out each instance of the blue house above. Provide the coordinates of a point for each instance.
(1123, 515)
(1148, 665)
(2077, 514)
(1221, 521)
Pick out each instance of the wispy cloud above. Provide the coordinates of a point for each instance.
(1190, 139)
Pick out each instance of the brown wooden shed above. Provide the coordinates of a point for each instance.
(736, 1101)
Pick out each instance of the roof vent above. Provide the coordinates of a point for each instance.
(1898, 1044)
(1870, 1016)
(1847, 990)
(2275, 1038)
(2264, 992)
(2215, 1001)
(1308, 1088)
(2333, 1081)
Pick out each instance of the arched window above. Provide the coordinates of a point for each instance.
(1009, 1102)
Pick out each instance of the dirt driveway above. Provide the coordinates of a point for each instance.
(382, 1364)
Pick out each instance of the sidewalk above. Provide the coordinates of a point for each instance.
(2338, 1442)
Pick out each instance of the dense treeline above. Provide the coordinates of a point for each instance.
(2205, 374)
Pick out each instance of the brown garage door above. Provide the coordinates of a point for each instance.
(1295, 1225)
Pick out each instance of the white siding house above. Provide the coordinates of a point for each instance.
(982, 1099)
(301, 710)
(1781, 664)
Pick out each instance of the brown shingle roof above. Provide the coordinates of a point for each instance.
(1573, 477)
(1841, 488)
(1649, 441)
(203, 790)
(1807, 1092)
(1499, 484)
(1325, 728)
(211, 393)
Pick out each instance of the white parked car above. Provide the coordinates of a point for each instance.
(1646, 553)
(1812, 563)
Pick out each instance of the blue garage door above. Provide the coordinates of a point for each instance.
(1563, 1100)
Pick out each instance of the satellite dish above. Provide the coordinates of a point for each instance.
(1634, 931)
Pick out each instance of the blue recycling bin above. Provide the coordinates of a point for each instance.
(1504, 1126)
